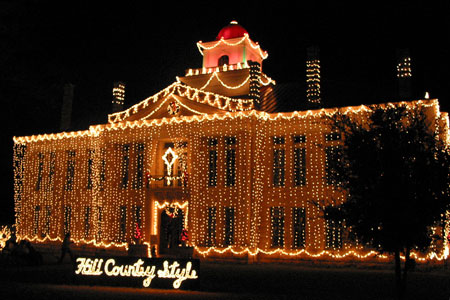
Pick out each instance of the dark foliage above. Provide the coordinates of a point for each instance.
(395, 170)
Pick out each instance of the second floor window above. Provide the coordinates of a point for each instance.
(70, 170)
(279, 161)
(138, 182)
(51, 170)
(40, 171)
(299, 160)
(230, 157)
(212, 174)
(125, 165)
(333, 155)
(90, 164)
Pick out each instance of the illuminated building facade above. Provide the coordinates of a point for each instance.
(205, 162)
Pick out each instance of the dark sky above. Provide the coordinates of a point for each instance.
(45, 44)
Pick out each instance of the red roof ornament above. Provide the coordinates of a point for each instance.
(233, 30)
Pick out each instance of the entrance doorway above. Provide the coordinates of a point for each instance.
(172, 224)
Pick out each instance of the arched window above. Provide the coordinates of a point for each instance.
(223, 60)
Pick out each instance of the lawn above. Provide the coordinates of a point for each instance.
(236, 281)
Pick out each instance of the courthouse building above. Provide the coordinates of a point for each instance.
(213, 161)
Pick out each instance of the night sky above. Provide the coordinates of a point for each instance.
(45, 44)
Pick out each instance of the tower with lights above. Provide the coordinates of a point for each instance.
(313, 77)
(118, 96)
(404, 74)
(232, 65)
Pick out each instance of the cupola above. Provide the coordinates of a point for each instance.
(232, 46)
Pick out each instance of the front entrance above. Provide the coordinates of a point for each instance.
(172, 229)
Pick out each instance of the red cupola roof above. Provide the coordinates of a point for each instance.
(233, 30)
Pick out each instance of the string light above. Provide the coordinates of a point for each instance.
(119, 93)
(245, 39)
(313, 81)
(404, 68)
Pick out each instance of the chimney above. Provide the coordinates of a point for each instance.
(404, 74)
(118, 93)
(66, 109)
(313, 77)
(254, 83)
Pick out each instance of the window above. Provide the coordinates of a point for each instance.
(102, 170)
(99, 222)
(279, 140)
(138, 216)
(51, 170)
(299, 161)
(334, 230)
(277, 224)
(212, 148)
(182, 169)
(333, 155)
(229, 226)
(122, 223)
(211, 227)
(299, 139)
(67, 219)
(37, 210)
(138, 183)
(278, 161)
(224, 60)
(87, 221)
(278, 167)
(298, 227)
(48, 214)
(333, 136)
(70, 170)
(40, 170)
(230, 155)
(90, 163)
(125, 165)
(18, 165)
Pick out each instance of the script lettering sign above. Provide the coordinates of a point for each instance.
(135, 271)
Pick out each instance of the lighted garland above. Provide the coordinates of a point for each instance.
(215, 75)
(148, 132)
(245, 38)
(178, 89)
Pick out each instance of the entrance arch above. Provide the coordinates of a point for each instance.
(172, 223)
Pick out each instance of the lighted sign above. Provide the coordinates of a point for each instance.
(169, 159)
(135, 271)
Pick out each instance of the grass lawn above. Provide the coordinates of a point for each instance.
(235, 281)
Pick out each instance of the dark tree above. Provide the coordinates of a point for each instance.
(395, 170)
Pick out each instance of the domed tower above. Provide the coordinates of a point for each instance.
(232, 65)
(232, 46)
